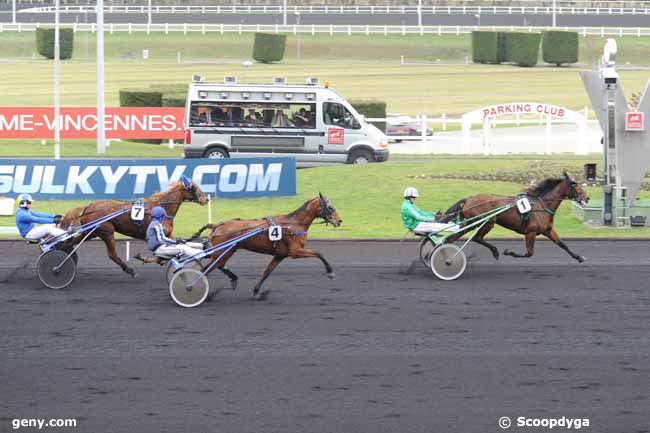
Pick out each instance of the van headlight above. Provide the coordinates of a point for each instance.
(383, 145)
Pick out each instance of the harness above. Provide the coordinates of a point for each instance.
(271, 222)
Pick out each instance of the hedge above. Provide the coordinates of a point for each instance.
(45, 43)
(485, 47)
(174, 100)
(169, 88)
(522, 48)
(372, 109)
(269, 48)
(560, 47)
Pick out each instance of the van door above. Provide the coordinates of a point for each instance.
(341, 129)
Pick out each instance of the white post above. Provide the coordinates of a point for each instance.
(486, 135)
(57, 84)
(171, 143)
(13, 12)
(101, 133)
(128, 250)
(444, 122)
(554, 14)
(178, 57)
(547, 135)
(284, 12)
(420, 13)
(209, 209)
(149, 14)
(297, 36)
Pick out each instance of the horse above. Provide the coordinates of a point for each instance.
(176, 194)
(545, 198)
(295, 226)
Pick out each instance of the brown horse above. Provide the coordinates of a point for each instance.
(292, 244)
(177, 193)
(544, 198)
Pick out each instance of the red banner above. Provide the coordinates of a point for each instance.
(81, 122)
(634, 121)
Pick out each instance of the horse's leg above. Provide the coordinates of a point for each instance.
(269, 268)
(230, 274)
(109, 241)
(552, 235)
(302, 253)
(481, 234)
(530, 247)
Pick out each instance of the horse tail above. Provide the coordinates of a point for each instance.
(202, 229)
(454, 211)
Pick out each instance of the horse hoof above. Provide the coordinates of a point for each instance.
(506, 252)
(331, 275)
(495, 255)
(580, 259)
(263, 295)
(233, 284)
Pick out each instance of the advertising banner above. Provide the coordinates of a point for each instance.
(81, 122)
(128, 179)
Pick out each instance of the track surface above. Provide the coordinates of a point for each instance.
(373, 351)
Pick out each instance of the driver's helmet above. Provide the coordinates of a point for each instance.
(159, 213)
(411, 192)
(24, 199)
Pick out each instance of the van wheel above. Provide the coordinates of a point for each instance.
(216, 153)
(360, 156)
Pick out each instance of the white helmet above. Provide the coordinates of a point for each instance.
(411, 192)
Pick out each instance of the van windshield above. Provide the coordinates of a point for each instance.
(253, 114)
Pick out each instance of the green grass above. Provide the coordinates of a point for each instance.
(359, 67)
(373, 210)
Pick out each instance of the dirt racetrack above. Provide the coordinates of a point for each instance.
(372, 351)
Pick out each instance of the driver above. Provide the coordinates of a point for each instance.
(161, 244)
(26, 220)
(416, 220)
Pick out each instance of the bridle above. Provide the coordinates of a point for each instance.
(326, 211)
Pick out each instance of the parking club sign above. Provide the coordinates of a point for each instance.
(634, 121)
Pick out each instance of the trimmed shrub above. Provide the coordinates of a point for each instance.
(501, 47)
(372, 109)
(269, 48)
(45, 43)
(140, 98)
(560, 47)
(169, 88)
(485, 47)
(174, 99)
(522, 48)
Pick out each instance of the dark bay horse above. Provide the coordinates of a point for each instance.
(294, 236)
(176, 194)
(545, 198)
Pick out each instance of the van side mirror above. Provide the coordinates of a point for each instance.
(356, 124)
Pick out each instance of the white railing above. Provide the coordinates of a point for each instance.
(322, 29)
(585, 9)
(488, 139)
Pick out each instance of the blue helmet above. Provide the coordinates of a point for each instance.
(159, 213)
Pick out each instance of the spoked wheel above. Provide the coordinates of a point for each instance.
(448, 262)
(54, 271)
(426, 248)
(169, 271)
(74, 255)
(189, 287)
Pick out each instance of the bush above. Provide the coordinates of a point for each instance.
(174, 99)
(485, 48)
(45, 43)
(140, 98)
(560, 47)
(169, 88)
(522, 48)
(269, 48)
(372, 109)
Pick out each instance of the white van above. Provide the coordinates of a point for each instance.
(311, 122)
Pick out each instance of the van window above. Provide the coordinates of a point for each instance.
(253, 114)
(336, 114)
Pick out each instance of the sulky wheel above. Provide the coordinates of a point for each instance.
(426, 247)
(448, 262)
(54, 271)
(189, 287)
(169, 270)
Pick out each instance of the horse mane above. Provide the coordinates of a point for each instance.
(544, 187)
(301, 208)
(161, 194)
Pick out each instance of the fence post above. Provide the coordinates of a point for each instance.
(209, 209)
(486, 135)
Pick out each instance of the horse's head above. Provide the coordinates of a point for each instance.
(575, 192)
(191, 191)
(327, 212)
